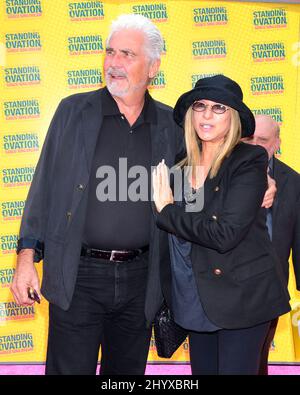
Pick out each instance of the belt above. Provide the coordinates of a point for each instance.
(113, 255)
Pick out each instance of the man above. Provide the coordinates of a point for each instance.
(283, 219)
(100, 273)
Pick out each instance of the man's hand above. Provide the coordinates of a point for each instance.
(162, 193)
(25, 276)
(270, 193)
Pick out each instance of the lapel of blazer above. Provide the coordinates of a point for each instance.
(160, 147)
(158, 144)
(90, 125)
(281, 179)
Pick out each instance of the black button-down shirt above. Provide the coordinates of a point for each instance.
(120, 222)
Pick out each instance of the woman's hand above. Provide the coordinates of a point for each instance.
(162, 193)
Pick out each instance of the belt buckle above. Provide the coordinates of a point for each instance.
(112, 255)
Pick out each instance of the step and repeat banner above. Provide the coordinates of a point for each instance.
(52, 49)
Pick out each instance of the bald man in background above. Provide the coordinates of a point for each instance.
(283, 218)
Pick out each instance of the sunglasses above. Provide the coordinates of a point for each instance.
(199, 106)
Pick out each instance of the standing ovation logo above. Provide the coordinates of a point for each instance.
(23, 42)
(6, 276)
(23, 8)
(267, 85)
(17, 176)
(20, 143)
(159, 81)
(268, 52)
(10, 311)
(210, 16)
(22, 76)
(196, 77)
(274, 112)
(86, 11)
(21, 109)
(8, 243)
(88, 78)
(12, 210)
(270, 19)
(85, 45)
(16, 343)
(156, 12)
(211, 49)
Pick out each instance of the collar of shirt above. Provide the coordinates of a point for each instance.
(148, 114)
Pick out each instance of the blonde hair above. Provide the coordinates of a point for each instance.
(193, 143)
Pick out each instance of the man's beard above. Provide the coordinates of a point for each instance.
(113, 87)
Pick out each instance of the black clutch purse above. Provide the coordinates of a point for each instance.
(167, 334)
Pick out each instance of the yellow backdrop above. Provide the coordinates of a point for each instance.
(51, 49)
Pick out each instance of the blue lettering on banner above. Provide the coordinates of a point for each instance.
(23, 42)
(23, 8)
(86, 10)
(156, 12)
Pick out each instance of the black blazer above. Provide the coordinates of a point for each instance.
(286, 218)
(54, 213)
(236, 269)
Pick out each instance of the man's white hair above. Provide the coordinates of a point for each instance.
(154, 40)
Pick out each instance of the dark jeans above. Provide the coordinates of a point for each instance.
(107, 309)
(263, 368)
(227, 352)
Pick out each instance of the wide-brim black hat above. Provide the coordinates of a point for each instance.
(222, 90)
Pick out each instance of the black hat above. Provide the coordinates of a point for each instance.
(222, 90)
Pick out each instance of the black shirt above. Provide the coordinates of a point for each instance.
(125, 222)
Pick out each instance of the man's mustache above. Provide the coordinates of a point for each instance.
(116, 72)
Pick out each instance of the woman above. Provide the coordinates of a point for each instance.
(226, 283)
